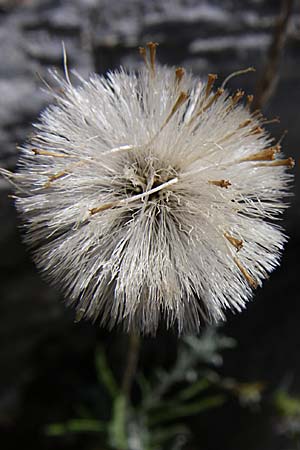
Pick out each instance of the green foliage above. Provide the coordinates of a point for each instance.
(287, 405)
(104, 373)
(288, 420)
(117, 425)
(167, 398)
(76, 426)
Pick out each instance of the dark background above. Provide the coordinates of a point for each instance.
(45, 358)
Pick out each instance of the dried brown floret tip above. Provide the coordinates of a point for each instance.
(249, 101)
(289, 162)
(152, 54)
(257, 114)
(181, 99)
(143, 53)
(221, 183)
(152, 51)
(257, 130)
(267, 154)
(211, 99)
(211, 78)
(237, 243)
(245, 123)
(179, 74)
(237, 96)
(215, 97)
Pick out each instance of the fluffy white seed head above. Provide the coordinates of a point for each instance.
(151, 196)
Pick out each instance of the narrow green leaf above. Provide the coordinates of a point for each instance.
(76, 426)
(55, 429)
(287, 405)
(162, 435)
(187, 410)
(104, 373)
(194, 389)
(117, 426)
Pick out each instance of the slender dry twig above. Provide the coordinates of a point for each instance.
(267, 82)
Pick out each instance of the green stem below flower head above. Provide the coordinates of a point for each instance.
(118, 429)
(131, 364)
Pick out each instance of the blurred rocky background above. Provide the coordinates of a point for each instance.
(45, 358)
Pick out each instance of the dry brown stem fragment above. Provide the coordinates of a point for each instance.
(102, 208)
(252, 282)
(37, 151)
(236, 73)
(270, 74)
(237, 243)
(58, 175)
(221, 183)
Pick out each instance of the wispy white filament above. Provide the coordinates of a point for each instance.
(146, 198)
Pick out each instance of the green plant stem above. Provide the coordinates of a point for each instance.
(131, 365)
(118, 429)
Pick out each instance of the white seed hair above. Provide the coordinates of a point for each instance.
(150, 198)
